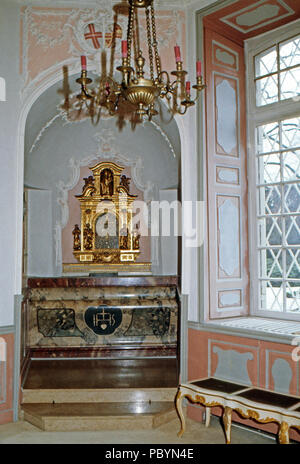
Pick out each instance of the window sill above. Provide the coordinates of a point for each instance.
(273, 330)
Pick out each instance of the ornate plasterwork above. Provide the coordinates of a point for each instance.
(164, 135)
(258, 14)
(43, 129)
(229, 236)
(226, 105)
(59, 34)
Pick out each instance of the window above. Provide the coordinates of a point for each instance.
(274, 163)
(277, 72)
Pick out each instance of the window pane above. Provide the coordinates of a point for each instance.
(292, 230)
(271, 264)
(272, 200)
(291, 165)
(293, 296)
(266, 62)
(290, 84)
(290, 133)
(270, 231)
(293, 263)
(290, 53)
(271, 295)
(273, 231)
(291, 198)
(268, 138)
(267, 90)
(269, 169)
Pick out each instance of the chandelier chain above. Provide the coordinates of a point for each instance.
(157, 60)
(130, 30)
(149, 43)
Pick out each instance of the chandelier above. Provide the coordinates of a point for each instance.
(136, 94)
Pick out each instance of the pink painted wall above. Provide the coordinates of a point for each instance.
(6, 381)
(203, 361)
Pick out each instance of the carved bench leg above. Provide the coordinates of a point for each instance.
(227, 423)
(178, 404)
(207, 416)
(284, 438)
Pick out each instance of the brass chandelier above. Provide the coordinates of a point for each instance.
(136, 95)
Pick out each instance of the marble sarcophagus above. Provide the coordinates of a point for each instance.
(101, 316)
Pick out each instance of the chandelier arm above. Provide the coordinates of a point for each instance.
(149, 43)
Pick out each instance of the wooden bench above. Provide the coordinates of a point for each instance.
(249, 402)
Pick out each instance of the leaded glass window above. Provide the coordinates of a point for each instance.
(277, 72)
(278, 208)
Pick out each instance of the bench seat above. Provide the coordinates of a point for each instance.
(249, 402)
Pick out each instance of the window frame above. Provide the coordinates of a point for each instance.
(257, 116)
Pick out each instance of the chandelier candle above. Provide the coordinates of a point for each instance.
(177, 53)
(83, 63)
(188, 88)
(198, 69)
(124, 48)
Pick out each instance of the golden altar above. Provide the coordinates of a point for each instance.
(107, 236)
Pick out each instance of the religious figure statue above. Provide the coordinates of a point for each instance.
(124, 238)
(76, 233)
(124, 182)
(106, 183)
(89, 183)
(88, 237)
(136, 238)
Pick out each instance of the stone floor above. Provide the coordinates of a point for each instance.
(196, 433)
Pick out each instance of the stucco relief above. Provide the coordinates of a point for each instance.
(225, 57)
(282, 375)
(53, 37)
(226, 108)
(229, 298)
(229, 236)
(103, 151)
(227, 175)
(232, 365)
(259, 14)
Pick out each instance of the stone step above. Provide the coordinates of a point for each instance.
(103, 293)
(99, 416)
(93, 395)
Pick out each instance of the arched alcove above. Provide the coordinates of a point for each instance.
(56, 151)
